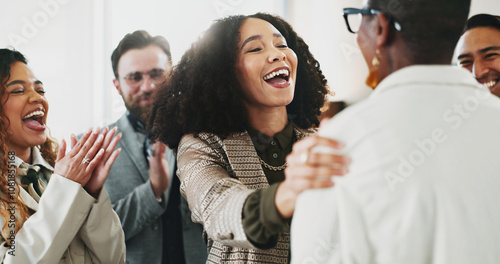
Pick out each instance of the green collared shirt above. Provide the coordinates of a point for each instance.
(261, 220)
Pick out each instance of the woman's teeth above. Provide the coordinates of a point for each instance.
(275, 73)
(35, 113)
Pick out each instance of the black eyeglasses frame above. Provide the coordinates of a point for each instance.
(370, 11)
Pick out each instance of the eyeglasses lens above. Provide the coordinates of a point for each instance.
(136, 78)
(354, 21)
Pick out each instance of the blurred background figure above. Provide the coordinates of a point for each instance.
(331, 108)
(479, 50)
(142, 184)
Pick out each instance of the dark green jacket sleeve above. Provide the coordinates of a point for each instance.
(261, 220)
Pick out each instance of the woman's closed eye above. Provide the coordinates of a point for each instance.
(254, 50)
(17, 89)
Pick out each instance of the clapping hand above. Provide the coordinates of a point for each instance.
(89, 160)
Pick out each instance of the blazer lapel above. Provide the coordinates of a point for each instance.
(28, 200)
(130, 146)
(244, 161)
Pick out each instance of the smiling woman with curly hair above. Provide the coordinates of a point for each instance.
(233, 107)
(74, 221)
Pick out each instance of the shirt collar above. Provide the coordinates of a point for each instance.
(283, 138)
(36, 157)
(137, 124)
(428, 74)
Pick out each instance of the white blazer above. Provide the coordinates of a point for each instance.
(68, 226)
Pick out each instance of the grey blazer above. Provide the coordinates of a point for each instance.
(133, 200)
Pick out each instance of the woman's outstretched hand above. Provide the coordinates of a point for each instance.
(307, 170)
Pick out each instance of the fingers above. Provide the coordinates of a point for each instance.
(313, 141)
(89, 152)
(111, 146)
(301, 178)
(73, 141)
(159, 150)
(161, 147)
(76, 148)
(111, 160)
(108, 136)
(91, 146)
(93, 163)
(315, 172)
(320, 158)
(62, 151)
(99, 178)
(308, 169)
(301, 153)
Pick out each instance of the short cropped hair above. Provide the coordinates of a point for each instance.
(430, 28)
(137, 40)
(482, 20)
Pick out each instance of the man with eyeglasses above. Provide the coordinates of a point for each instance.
(142, 184)
(479, 50)
(423, 185)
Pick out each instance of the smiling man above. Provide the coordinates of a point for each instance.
(479, 50)
(142, 185)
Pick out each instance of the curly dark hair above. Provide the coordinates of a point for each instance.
(203, 94)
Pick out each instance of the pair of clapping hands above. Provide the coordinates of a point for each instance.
(90, 158)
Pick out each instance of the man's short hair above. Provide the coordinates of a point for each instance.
(482, 20)
(137, 40)
(430, 28)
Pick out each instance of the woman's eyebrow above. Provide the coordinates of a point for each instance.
(255, 37)
(252, 38)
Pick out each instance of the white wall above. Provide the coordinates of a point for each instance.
(57, 38)
(69, 44)
(322, 26)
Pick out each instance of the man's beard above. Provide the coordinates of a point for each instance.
(141, 113)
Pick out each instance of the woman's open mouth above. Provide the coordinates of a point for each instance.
(34, 120)
(279, 77)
